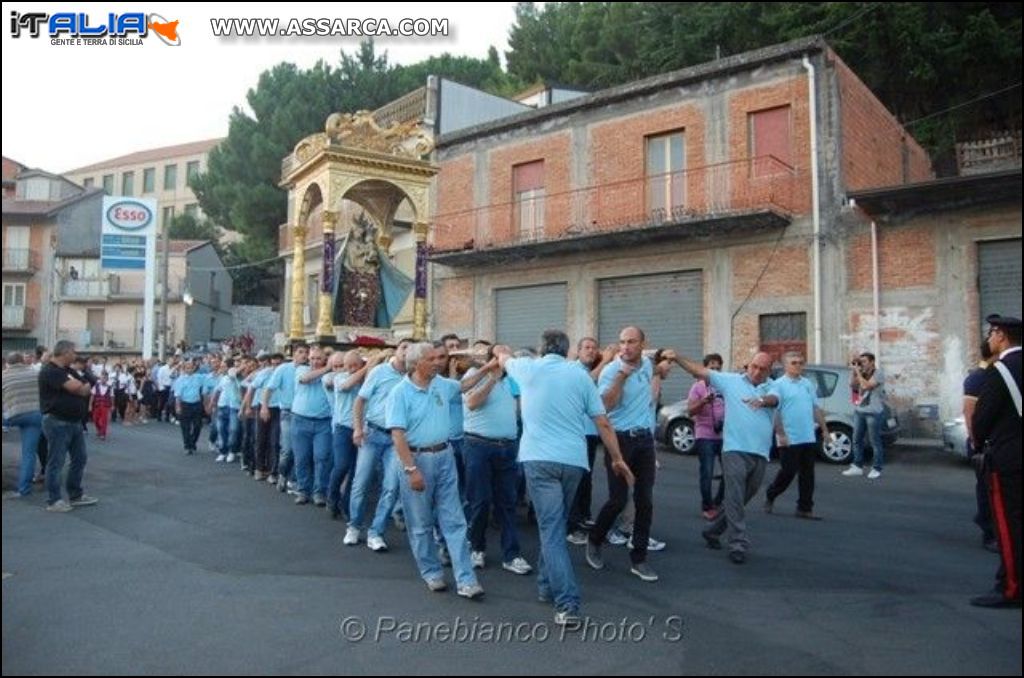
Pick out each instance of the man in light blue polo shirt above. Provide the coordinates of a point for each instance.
(188, 404)
(348, 371)
(376, 451)
(225, 402)
(418, 414)
(211, 370)
(282, 384)
(491, 427)
(748, 442)
(798, 443)
(311, 430)
(627, 393)
(556, 395)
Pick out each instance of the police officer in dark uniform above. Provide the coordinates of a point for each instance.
(997, 425)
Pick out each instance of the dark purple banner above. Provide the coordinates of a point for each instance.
(421, 270)
(327, 279)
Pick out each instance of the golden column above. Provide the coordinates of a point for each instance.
(324, 326)
(298, 330)
(419, 304)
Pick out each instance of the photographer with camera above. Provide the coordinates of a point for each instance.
(867, 382)
(707, 410)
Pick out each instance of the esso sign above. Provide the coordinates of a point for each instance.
(129, 215)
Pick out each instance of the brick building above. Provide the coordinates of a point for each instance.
(685, 203)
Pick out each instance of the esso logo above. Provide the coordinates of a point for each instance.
(129, 215)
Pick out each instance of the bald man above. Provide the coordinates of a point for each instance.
(748, 442)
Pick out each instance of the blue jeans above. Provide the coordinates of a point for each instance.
(214, 428)
(65, 438)
(491, 476)
(707, 452)
(31, 425)
(552, 487)
(437, 504)
(286, 460)
(345, 454)
(311, 445)
(872, 423)
(230, 427)
(378, 451)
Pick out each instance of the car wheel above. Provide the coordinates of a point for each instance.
(680, 436)
(839, 449)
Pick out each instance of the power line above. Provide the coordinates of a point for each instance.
(966, 103)
(851, 19)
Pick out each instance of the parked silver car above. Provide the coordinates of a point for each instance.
(675, 428)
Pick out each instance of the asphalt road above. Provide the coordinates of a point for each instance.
(189, 567)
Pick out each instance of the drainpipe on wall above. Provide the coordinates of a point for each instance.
(812, 92)
(875, 287)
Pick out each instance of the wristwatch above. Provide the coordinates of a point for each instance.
(410, 469)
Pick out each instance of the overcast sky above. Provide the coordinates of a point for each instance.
(69, 106)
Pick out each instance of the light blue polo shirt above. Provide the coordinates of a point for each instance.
(212, 380)
(588, 424)
(424, 414)
(310, 399)
(375, 391)
(282, 381)
(556, 396)
(634, 408)
(341, 413)
(457, 431)
(230, 393)
(188, 388)
(746, 429)
(259, 380)
(797, 400)
(496, 417)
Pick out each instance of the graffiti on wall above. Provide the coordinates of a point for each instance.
(909, 350)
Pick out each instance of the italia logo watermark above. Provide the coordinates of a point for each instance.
(79, 28)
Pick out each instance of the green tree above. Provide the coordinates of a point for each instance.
(187, 227)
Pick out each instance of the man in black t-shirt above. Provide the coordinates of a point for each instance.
(64, 401)
(972, 389)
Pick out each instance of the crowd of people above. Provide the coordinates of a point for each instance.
(448, 439)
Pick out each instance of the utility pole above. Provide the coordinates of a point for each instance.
(163, 291)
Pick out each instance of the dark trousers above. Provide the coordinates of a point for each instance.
(268, 441)
(638, 452)
(161, 404)
(1006, 500)
(796, 460)
(120, 405)
(983, 518)
(249, 442)
(43, 452)
(191, 421)
(585, 492)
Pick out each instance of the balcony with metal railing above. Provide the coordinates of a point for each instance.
(19, 318)
(751, 194)
(102, 340)
(20, 261)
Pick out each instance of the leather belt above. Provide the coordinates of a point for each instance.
(440, 447)
(635, 433)
(491, 441)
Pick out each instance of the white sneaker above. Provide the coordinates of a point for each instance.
(616, 538)
(652, 544)
(874, 474)
(351, 536)
(220, 459)
(518, 566)
(478, 559)
(854, 470)
(376, 544)
(230, 459)
(59, 506)
(471, 591)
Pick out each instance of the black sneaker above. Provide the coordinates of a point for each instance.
(711, 541)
